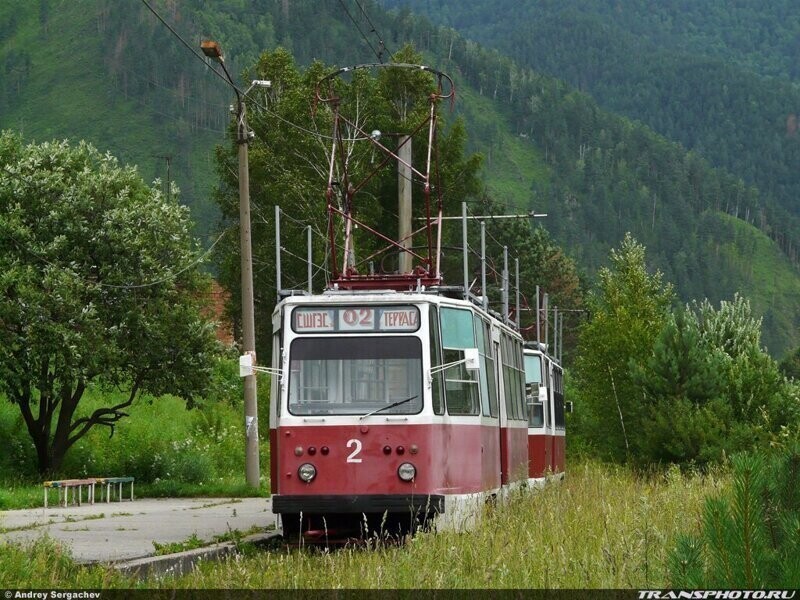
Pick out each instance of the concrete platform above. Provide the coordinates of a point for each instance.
(121, 531)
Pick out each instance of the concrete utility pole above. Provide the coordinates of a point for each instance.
(252, 467)
(404, 201)
(243, 136)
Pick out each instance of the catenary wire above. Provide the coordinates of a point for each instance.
(375, 52)
(374, 30)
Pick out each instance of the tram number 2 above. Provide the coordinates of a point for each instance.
(357, 444)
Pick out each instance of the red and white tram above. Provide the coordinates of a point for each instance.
(381, 417)
(544, 380)
(394, 403)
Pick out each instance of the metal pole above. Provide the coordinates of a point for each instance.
(538, 318)
(555, 333)
(516, 269)
(561, 339)
(464, 249)
(248, 312)
(505, 284)
(546, 324)
(309, 257)
(278, 284)
(404, 201)
(483, 267)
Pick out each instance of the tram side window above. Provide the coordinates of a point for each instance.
(558, 397)
(461, 385)
(519, 377)
(484, 372)
(509, 388)
(436, 360)
(489, 368)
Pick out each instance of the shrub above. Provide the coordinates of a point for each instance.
(750, 538)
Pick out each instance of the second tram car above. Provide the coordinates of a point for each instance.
(544, 381)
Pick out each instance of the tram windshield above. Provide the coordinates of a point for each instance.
(355, 375)
(533, 369)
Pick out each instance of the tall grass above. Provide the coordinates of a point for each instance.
(46, 565)
(603, 527)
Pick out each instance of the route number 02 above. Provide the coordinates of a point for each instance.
(352, 458)
(358, 317)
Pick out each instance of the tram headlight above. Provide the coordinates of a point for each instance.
(406, 471)
(307, 472)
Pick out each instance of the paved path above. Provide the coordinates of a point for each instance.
(110, 532)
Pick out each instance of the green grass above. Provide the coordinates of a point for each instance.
(194, 542)
(171, 451)
(603, 527)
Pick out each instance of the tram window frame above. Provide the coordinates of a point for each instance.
(513, 377)
(508, 388)
(490, 367)
(551, 383)
(465, 384)
(438, 400)
(536, 407)
(346, 362)
(480, 338)
(520, 369)
(558, 399)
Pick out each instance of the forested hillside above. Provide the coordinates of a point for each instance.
(110, 72)
(672, 67)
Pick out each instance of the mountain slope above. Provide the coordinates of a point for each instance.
(631, 57)
(136, 91)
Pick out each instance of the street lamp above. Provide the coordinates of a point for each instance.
(243, 135)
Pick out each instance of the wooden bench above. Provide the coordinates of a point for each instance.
(114, 481)
(65, 485)
(76, 485)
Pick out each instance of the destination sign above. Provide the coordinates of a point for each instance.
(349, 319)
(313, 320)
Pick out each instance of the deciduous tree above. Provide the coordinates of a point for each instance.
(627, 312)
(98, 283)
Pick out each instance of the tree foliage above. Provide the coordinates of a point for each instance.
(750, 537)
(627, 311)
(686, 387)
(289, 161)
(98, 285)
